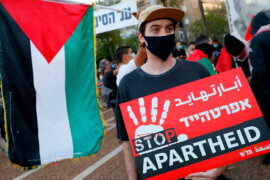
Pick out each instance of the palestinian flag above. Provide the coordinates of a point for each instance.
(47, 66)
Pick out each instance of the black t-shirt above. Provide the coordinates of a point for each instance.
(109, 80)
(139, 84)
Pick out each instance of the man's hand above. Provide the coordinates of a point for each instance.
(137, 15)
(207, 175)
(130, 161)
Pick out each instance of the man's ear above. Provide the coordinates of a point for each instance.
(141, 38)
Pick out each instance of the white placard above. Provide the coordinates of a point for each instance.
(240, 12)
(108, 20)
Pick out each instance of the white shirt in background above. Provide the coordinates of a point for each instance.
(124, 70)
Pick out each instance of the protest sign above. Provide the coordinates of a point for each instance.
(195, 127)
(109, 20)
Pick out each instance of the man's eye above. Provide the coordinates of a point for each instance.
(169, 29)
(155, 29)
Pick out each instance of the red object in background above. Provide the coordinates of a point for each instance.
(99, 85)
(224, 61)
(249, 36)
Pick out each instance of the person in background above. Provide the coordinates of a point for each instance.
(179, 51)
(260, 61)
(104, 66)
(109, 82)
(128, 61)
(240, 51)
(191, 47)
(203, 52)
(217, 49)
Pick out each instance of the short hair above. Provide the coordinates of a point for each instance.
(142, 28)
(192, 42)
(120, 51)
(201, 40)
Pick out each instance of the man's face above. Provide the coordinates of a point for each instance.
(130, 52)
(127, 57)
(108, 65)
(161, 27)
(191, 47)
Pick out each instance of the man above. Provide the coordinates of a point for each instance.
(125, 56)
(217, 49)
(190, 49)
(260, 61)
(161, 71)
(104, 66)
(240, 51)
(203, 53)
(179, 51)
(103, 70)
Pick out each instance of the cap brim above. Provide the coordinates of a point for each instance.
(166, 13)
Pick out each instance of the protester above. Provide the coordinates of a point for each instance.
(217, 49)
(156, 26)
(240, 51)
(260, 61)
(104, 66)
(109, 86)
(203, 53)
(179, 51)
(125, 56)
(190, 49)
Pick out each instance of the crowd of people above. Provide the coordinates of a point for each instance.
(161, 63)
(160, 59)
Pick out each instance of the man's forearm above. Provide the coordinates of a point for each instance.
(130, 162)
(140, 56)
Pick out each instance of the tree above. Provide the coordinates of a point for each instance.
(132, 41)
(107, 42)
(171, 3)
(216, 23)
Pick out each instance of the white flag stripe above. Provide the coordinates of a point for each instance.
(55, 141)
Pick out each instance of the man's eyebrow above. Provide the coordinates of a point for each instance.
(170, 24)
(154, 25)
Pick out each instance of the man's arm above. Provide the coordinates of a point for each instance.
(140, 56)
(130, 162)
(122, 96)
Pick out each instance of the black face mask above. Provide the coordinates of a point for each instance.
(160, 46)
(206, 48)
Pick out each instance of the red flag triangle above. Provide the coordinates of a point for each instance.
(48, 25)
(249, 36)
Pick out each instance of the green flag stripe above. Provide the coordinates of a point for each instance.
(85, 123)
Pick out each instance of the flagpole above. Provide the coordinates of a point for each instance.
(89, 3)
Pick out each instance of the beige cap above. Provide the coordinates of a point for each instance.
(160, 12)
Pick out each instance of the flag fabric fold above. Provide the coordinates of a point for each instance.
(47, 66)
